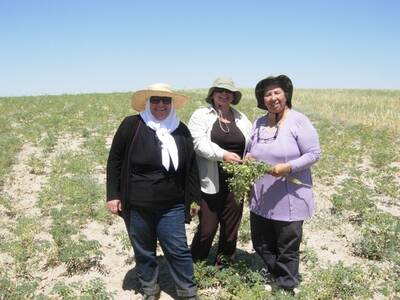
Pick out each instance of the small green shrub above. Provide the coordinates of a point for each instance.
(81, 255)
(234, 281)
(380, 236)
(336, 282)
(9, 289)
(353, 195)
(92, 290)
(37, 165)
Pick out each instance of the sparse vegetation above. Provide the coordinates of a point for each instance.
(359, 174)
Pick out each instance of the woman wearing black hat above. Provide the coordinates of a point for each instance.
(287, 140)
(220, 133)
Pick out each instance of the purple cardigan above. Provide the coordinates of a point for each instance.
(297, 143)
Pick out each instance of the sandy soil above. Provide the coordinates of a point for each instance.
(116, 269)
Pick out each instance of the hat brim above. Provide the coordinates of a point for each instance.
(139, 98)
(238, 94)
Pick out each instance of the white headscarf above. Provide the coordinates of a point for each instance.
(163, 129)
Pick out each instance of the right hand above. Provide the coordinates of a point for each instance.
(249, 157)
(114, 206)
(231, 157)
(194, 209)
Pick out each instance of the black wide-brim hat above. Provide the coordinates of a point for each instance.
(282, 80)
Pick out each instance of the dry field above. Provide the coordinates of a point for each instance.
(57, 240)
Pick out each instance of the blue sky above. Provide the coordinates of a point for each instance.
(80, 46)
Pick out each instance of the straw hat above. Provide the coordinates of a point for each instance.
(224, 83)
(140, 97)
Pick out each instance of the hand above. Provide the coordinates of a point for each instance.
(231, 157)
(249, 157)
(114, 206)
(194, 209)
(280, 170)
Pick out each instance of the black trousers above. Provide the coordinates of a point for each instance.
(217, 209)
(278, 243)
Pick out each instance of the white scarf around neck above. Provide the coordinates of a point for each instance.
(163, 129)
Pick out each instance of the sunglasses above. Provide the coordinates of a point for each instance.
(220, 90)
(157, 100)
(267, 140)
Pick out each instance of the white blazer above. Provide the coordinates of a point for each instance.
(208, 153)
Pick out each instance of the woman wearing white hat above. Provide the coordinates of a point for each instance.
(220, 133)
(152, 178)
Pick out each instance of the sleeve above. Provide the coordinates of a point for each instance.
(193, 179)
(202, 143)
(115, 160)
(308, 143)
(252, 134)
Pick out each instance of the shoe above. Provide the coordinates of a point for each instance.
(223, 261)
(151, 297)
(267, 276)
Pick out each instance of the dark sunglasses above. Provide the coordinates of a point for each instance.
(157, 100)
(220, 90)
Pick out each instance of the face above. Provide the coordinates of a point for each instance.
(222, 97)
(274, 98)
(160, 107)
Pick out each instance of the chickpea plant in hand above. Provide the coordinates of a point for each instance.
(243, 176)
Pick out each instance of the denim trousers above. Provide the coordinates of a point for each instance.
(278, 243)
(168, 226)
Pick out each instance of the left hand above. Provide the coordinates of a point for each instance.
(280, 170)
(194, 209)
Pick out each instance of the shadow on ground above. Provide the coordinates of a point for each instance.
(131, 281)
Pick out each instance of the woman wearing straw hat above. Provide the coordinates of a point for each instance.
(152, 178)
(220, 133)
(288, 141)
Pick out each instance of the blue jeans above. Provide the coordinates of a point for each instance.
(168, 225)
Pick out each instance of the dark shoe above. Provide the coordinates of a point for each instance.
(223, 261)
(151, 297)
(190, 298)
(267, 276)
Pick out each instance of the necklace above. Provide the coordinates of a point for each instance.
(222, 124)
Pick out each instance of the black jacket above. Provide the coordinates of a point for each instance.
(118, 166)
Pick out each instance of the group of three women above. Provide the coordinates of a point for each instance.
(157, 167)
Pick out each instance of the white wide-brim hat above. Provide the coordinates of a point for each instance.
(140, 97)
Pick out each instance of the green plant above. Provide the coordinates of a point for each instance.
(81, 255)
(23, 245)
(94, 289)
(380, 236)
(10, 289)
(336, 282)
(243, 175)
(234, 281)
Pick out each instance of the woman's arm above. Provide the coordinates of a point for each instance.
(114, 162)
(308, 143)
(202, 143)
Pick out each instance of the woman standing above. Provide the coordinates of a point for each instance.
(220, 133)
(287, 140)
(152, 177)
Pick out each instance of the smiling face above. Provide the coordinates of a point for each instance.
(274, 98)
(160, 107)
(222, 98)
